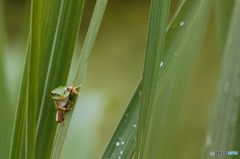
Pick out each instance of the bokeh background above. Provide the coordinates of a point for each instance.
(112, 76)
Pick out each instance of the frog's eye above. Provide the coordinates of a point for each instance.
(53, 94)
(67, 89)
(57, 94)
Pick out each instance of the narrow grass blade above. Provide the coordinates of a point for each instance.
(224, 13)
(49, 19)
(57, 72)
(19, 123)
(154, 54)
(34, 54)
(81, 69)
(5, 135)
(223, 131)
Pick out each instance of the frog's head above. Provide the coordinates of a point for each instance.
(60, 93)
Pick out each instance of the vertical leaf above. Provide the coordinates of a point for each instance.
(154, 53)
(49, 19)
(34, 55)
(5, 134)
(18, 137)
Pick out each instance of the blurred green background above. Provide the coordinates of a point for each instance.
(112, 76)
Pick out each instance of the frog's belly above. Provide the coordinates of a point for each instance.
(63, 103)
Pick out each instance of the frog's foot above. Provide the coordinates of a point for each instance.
(62, 122)
(74, 89)
(69, 106)
(60, 108)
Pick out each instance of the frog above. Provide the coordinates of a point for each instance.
(61, 96)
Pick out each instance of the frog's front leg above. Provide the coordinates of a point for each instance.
(69, 106)
(74, 89)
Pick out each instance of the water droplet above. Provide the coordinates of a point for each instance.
(175, 53)
(117, 144)
(119, 157)
(181, 23)
(161, 64)
(121, 152)
(135, 138)
(134, 125)
(139, 93)
(120, 138)
(122, 142)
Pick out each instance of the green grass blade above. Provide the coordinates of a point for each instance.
(224, 13)
(154, 54)
(5, 136)
(34, 55)
(49, 19)
(81, 69)
(57, 73)
(19, 123)
(223, 131)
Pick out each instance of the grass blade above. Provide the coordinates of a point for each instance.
(49, 19)
(34, 54)
(81, 69)
(223, 129)
(154, 54)
(224, 13)
(61, 55)
(19, 124)
(5, 135)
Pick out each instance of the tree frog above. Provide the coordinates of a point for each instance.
(61, 95)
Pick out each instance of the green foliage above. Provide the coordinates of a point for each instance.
(5, 134)
(53, 33)
(223, 131)
(174, 74)
(151, 126)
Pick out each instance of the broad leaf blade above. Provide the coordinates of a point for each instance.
(81, 69)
